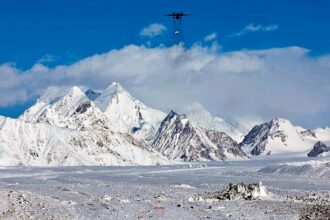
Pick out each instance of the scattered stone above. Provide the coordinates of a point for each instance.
(200, 199)
(160, 197)
(219, 208)
(196, 165)
(159, 207)
(106, 197)
(191, 199)
(124, 201)
(184, 186)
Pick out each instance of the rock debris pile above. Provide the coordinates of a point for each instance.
(244, 191)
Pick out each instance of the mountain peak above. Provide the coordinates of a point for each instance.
(280, 123)
(179, 139)
(172, 114)
(277, 136)
(75, 90)
(114, 88)
(113, 94)
(128, 114)
(279, 120)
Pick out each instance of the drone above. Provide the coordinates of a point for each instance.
(177, 17)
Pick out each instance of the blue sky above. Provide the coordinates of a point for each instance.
(70, 30)
(55, 32)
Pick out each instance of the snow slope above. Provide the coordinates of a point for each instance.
(204, 119)
(39, 144)
(323, 134)
(315, 169)
(127, 114)
(179, 138)
(277, 137)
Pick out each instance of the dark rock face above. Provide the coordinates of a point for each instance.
(318, 149)
(179, 138)
(258, 138)
(223, 141)
(83, 107)
(309, 133)
(92, 95)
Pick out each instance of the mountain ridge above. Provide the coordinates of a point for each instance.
(111, 127)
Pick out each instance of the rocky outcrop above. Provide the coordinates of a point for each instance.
(249, 191)
(319, 149)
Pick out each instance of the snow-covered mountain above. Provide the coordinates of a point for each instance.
(86, 126)
(74, 110)
(278, 136)
(179, 138)
(127, 114)
(114, 107)
(111, 127)
(40, 144)
(197, 113)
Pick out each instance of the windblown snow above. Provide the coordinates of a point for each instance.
(197, 113)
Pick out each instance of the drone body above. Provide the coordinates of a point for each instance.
(177, 15)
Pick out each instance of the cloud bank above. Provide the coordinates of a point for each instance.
(153, 30)
(285, 82)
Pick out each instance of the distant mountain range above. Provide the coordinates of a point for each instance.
(280, 137)
(111, 127)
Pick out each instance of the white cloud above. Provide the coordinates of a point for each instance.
(210, 37)
(46, 59)
(153, 30)
(255, 28)
(285, 82)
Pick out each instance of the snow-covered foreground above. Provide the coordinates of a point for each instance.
(159, 192)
